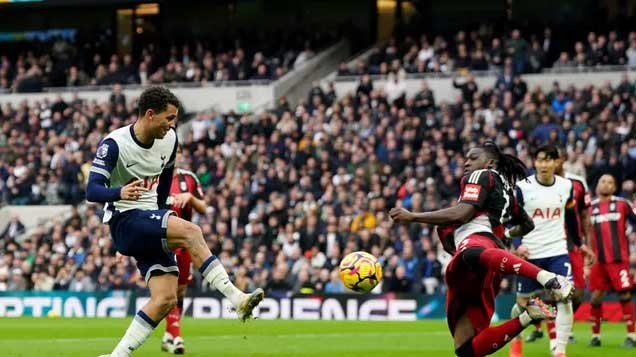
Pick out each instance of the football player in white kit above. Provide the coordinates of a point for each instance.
(131, 174)
(545, 197)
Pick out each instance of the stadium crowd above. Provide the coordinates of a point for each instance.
(87, 61)
(292, 190)
(484, 49)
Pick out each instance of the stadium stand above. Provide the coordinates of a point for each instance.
(484, 49)
(89, 61)
(293, 189)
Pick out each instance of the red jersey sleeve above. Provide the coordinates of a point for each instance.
(195, 188)
(475, 188)
(629, 212)
(581, 196)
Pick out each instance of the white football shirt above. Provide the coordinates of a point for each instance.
(130, 161)
(546, 206)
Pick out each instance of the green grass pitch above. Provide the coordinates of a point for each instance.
(92, 337)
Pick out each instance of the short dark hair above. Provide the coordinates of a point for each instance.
(156, 98)
(550, 151)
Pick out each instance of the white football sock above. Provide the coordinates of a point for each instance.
(525, 319)
(544, 276)
(215, 274)
(140, 328)
(564, 321)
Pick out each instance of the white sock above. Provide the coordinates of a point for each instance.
(140, 328)
(631, 335)
(564, 321)
(544, 276)
(215, 274)
(525, 319)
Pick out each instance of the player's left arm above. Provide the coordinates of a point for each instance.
(522, 223)
(165, 179)
(630, 214)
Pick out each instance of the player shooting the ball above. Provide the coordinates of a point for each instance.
(479, 262)
(132, 173)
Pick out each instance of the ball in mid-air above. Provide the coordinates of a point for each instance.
(360, 271)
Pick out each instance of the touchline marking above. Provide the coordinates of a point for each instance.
(239, 336)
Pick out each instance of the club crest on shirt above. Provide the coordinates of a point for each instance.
(102, 151)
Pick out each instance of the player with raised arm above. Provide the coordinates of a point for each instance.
(479, 262)
(131, 173)
(545, 197)
(185, 196)
(611, 271)
(577, 223)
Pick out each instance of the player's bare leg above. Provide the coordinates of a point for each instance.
(162, 298)
(184, 234)
(627, 305)
(516, 345)
(488, 341)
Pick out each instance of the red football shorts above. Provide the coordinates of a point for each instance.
(471, 292)
(610, 277)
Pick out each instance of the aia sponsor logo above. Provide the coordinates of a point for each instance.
(547, 213)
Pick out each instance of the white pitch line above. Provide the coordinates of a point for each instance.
(239, 336)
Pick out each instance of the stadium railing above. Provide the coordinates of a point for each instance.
(32, 216)
(442, 85)
(238, 96)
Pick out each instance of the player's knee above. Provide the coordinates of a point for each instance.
(624, 296)
(516, 311)
(465, 350)
(471, 256)
(166, 301)
(522, 302)
(192, 232)
(596, 299)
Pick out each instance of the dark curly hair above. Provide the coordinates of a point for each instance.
(509, 166)
(156, 98)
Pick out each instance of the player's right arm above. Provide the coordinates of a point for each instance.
(98, 188)
(194, 198)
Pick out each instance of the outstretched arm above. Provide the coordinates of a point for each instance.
(457, 214)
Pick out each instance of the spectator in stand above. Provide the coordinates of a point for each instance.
(13, 229)
(293, 190)
(485, 50)
(55, 64)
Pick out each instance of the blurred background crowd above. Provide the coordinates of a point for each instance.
(292, 190)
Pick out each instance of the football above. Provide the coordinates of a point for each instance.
(360, 272)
